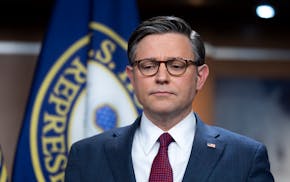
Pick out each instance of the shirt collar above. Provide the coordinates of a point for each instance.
(182, 133)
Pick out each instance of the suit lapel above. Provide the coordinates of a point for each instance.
(206, 152)
(118, 152)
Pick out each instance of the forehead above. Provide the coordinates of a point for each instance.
(164, 45)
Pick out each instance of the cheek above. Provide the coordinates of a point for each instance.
(135, 81)
(139, 86)
(188, 87)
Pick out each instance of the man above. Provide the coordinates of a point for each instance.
(167, 69)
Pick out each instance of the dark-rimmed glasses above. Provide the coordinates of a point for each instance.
(175, 66)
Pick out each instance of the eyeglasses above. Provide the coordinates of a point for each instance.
(175, 66)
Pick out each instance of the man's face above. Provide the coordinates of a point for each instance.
(164, 94)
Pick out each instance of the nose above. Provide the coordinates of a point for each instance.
(162, 75)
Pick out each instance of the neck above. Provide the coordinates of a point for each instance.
(166, 121)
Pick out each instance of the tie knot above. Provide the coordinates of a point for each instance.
(165, 139)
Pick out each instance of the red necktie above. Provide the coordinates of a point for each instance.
(161, 170)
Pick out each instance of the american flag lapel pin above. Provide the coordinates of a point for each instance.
(211, 145)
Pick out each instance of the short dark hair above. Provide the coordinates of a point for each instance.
(166, 24)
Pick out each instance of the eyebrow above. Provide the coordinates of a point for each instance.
(167, 58)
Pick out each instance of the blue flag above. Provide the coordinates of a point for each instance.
(80, 87)
(3, 169)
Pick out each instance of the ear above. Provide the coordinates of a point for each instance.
(129, 71)
(202, 75)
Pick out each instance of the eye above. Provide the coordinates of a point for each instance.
(176, 64)
(147, 64)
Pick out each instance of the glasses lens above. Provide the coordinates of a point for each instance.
(176, 66)
(148, 67)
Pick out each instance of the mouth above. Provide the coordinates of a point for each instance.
(162, 93)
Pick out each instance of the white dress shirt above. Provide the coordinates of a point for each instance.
(145, 147)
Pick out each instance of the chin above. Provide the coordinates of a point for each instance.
(162, 110)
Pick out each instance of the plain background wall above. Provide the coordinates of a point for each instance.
(16, 74)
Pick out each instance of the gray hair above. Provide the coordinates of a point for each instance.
(166, 24)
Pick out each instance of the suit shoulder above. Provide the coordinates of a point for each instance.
(226, 135)
(101, 137)
(236, 138)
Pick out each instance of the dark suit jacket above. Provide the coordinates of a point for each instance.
(234, 158)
